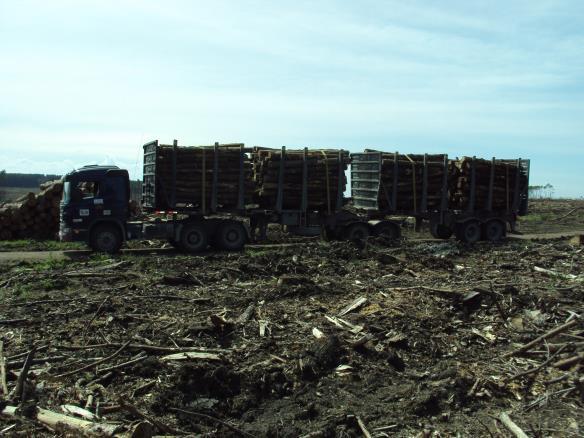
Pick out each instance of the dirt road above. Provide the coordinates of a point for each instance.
(6, 256)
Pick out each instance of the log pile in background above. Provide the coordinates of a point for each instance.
(503, 187)
(190, 162)
(32, 215)
(322, 177)
(410, 178)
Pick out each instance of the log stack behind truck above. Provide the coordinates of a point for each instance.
(34, 215)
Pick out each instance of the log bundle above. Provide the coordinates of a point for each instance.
(504, 180)
(32, 215)
(410, 181)
(194, 176)
(325, 177)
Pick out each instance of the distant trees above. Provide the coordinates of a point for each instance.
(25, 179)
(541, 192)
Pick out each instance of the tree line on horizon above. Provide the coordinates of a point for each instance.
(25, 180)
(545, 191)
(34, 180)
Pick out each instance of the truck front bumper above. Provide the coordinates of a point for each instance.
(67, 234)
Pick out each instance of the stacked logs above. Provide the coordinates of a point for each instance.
(410, 177)
(32, 216)
(325, 177)
(505, 176)
(194, 176)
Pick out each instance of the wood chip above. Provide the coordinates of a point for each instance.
(353, 306)
(317, 333)
(80, 412)
(263, 325)
(556, 274)
(187, 355)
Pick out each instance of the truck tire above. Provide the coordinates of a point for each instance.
(388, 229)
(194, 238)
(356, 231)
(106, 238)
(440, 231)
(494, 230)
(230, 236)
(469, 231)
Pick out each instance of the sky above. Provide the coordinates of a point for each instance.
(89, 82)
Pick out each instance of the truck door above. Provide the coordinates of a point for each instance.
(115, 193)
(87, 201)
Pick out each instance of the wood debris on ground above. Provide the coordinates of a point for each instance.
(343, 345)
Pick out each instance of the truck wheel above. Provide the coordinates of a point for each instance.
(231, 236)
(469, 231)
(193, 238)
(388, 229)
(440, 231)
(356, 231)
(494, 230)
(106, 238)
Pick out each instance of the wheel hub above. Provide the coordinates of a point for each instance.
(105, 240)
(231, 236)
(194, 238)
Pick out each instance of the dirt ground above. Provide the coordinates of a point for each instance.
(553, 215)
(323, 339)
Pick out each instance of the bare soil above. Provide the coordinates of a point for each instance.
(553, 215)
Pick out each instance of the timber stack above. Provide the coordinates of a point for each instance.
(32, 215)
(325, 177)
(194, 181)
(504, 173)
(409, 181)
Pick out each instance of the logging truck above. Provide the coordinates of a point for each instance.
(225, 195)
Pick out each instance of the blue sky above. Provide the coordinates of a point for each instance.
(90, 81)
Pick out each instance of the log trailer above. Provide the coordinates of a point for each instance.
(471, 204)
(219, 212)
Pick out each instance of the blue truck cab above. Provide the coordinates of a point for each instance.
(95, 207)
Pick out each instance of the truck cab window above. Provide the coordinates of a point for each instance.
(86, 190)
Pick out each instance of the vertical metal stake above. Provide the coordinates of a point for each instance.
(516, 188)
(241, 193)
(173, 192)
(394, 188)
(491, 185)
(215, 177)
(473, 183)
(444, 201)
(304, 200)
(341, 183)
(424, 206)
(280, 197)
